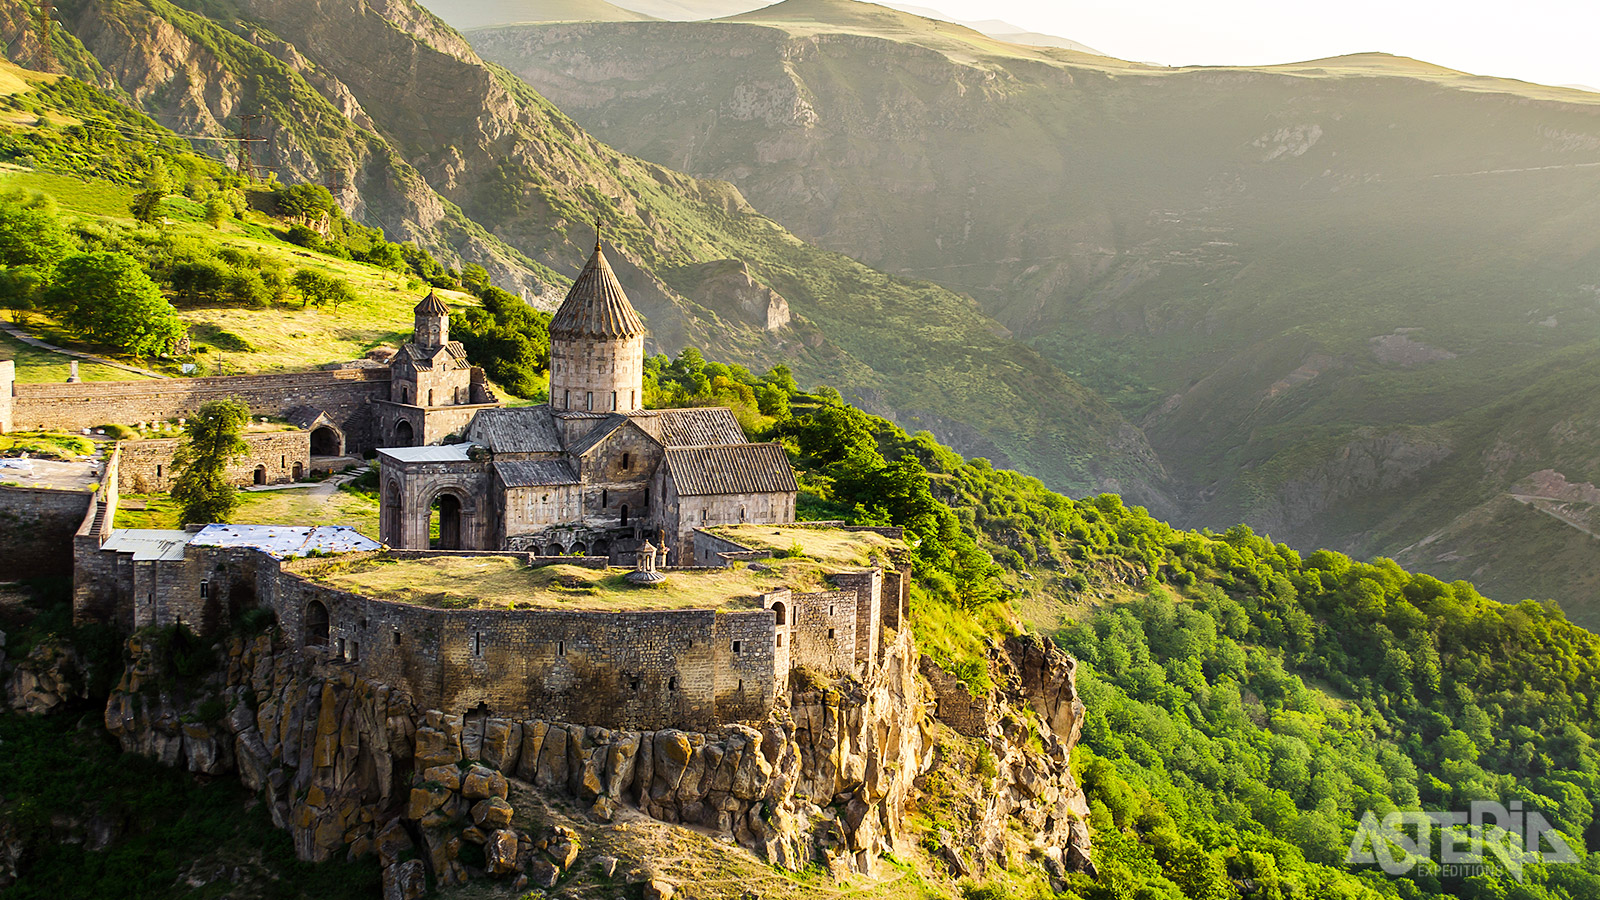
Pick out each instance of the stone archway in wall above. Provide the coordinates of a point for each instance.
(404, 436)
(260, 476)
(316, 624)
(444, 523)
(326, 441)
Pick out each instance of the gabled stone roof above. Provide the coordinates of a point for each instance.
(422, 358)
(691, 427)
(596, 306)
(307, 416)
(597, 434)
(535, 472)
(730, 469)
(528, 429)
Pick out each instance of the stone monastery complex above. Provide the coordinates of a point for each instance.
(606, 602)
(615, 573)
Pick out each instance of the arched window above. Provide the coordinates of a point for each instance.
(430, 396)
(781, 613)
(588, 401)
(316, 624)
(624, 514)
(625, 462)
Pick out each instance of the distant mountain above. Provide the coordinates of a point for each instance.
(1003, 30)
(479, 13)
(694, 10)
(430, 142)
(1349, 300)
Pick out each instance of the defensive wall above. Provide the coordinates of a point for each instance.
(36, 530)
(344, 394)
(280, 456)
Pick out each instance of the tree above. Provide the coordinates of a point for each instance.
(217, 209)
(211, 442)
(150, 202)
(109, 299)
(310, 203)
(315, 287)
(30, 233)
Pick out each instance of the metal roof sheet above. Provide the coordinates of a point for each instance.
(148, 544)
(730, 469)
(285, 541)
(434, 453)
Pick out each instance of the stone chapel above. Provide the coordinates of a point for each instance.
(589, 473)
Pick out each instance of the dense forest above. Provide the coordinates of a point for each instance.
(1247, 704)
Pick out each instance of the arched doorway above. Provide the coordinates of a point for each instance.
(392, 529)
(403, 435)
(579, 549)
(299, 471)
(781, 613)
(444, 523)
(553, 550)
(326, 442)
(261, 475)
(316, 621)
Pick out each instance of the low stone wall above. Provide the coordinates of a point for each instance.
(344, 393)
(955, 704)
(36, 530)
(282, 457)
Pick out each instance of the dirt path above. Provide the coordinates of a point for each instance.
(32, 341)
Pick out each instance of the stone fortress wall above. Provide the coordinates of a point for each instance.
(670, 668)
(344, 393)
(282, 457)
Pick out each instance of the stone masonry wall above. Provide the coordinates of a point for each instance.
(667, 668)
(343, 393)
(36, 529)
(147, 465)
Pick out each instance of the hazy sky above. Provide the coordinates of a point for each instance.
(1550, 41)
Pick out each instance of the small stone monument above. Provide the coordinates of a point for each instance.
(644, 566)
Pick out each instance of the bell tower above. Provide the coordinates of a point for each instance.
(596, 344)
(432, 322)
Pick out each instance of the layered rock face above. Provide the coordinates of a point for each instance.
(349, 767)
(1035, 696)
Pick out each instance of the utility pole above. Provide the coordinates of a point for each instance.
(45, 15)
(247, 166)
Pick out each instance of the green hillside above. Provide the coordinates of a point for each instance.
(1345, 300)
(523, 183)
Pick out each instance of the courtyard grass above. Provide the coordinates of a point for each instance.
(294, 506)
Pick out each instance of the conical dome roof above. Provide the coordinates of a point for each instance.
(431, 305)
(596, 305)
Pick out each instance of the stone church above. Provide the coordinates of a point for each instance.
(591, 472)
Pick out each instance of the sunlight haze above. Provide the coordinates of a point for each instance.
(1548, 41)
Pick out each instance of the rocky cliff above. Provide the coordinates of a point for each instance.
(351, 768)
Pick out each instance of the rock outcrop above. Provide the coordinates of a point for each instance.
(350, 767)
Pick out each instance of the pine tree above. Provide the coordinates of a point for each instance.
(211, 442)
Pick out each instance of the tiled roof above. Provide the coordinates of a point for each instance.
(730, 469)
(306, 416)
(691, 427)
(597, 434)
(422, 357)
(535, 472)
(528, 429)
(596, 306)
(432, 305)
